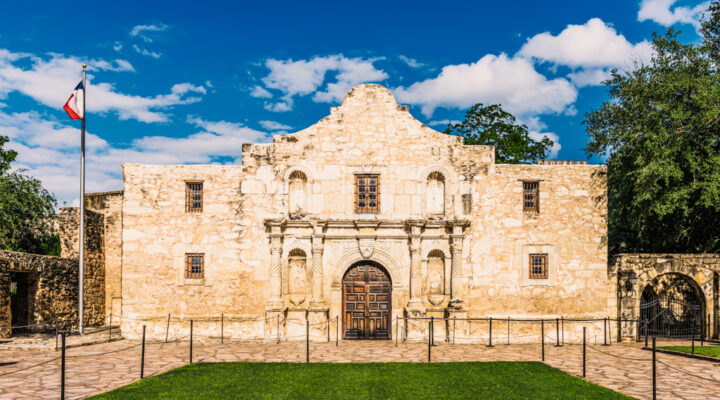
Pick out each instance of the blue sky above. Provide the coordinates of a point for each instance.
(188, 82)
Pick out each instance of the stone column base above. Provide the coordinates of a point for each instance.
(458, 331)
(439, 324)
(416, 330)
(274, 324)
(317, 315)
(295, 326)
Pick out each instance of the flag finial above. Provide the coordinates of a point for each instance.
(84, 66)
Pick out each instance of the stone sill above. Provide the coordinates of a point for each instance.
(194, 282)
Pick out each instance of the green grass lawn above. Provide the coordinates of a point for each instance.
(471, 380)
(710, 351)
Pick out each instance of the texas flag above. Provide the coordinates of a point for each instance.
(74, 106)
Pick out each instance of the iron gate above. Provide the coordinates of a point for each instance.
(671, 318)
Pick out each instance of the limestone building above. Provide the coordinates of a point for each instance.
(366, 215)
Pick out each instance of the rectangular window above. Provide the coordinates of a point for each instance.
(367, 193)
(193, 197)
(194, 266)
(538, 266)
(531, 196)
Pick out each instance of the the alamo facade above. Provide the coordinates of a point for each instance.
(365, 216)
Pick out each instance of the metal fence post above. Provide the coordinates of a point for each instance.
(605, 343)
(562, 320)
(454, 322)
(557, 332)
(619, 335)
(542, 337)
(397, 323)
(222, 328)
(702, 332)
(490, 334)
(508, 331)
(654, 370)
(142, 356)
(584, 360)
(646, 333)
(167, 329)
(191, 329)
(307, 341)
(430, 327)
(62, 369)
(692, 340)
(432, 331)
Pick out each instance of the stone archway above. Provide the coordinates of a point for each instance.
(366, 302)
(634, 272)
(672, 305)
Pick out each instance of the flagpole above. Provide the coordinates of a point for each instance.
(81, 255)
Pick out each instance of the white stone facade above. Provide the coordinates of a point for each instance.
(279, 232)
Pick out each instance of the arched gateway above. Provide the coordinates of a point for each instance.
(367, 300)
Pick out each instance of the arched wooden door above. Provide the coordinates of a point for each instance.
(367, 295)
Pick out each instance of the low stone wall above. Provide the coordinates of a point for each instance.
(54, 297)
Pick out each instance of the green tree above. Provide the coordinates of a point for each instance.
(27, 210)
(6, 156)
(494, 126)
(660, 132)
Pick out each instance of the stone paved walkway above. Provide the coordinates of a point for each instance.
(98, 368)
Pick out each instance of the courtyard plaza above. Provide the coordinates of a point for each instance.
(97, 368)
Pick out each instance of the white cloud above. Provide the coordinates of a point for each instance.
(444, 122)
(303, 77)
(117, 46)
(50, 81)
(555, 149)
(49, 150)
(411, 62)
(593, 44)
(512, 82)
(145, 52)
(260, 92)
(589, 77)
(659, 11)
(143, 30)
(274, 126)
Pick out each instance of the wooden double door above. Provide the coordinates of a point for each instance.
(367, 295)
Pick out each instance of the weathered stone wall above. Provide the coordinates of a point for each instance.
(702, 269)
(55, 301)
(109, 204)
(247, 229)
(94, 293)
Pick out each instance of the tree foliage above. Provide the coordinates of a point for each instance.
(660, 132)
(493, 126)
(27, 210)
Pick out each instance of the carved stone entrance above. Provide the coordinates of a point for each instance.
(367, 295)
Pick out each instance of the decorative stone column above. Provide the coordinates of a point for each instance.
(456, 309)
(416, 329)
(317, 312)
(275, 308)
(456, 283)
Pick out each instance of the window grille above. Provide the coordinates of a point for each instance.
(194, 266)
(531, 196)
(367, 193)
(193, 197)
(538, 266)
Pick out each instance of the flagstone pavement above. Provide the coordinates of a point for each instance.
(93, 369)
